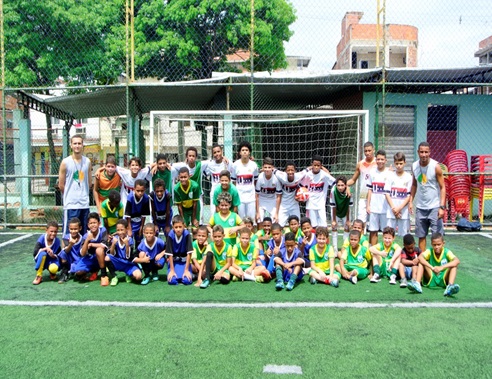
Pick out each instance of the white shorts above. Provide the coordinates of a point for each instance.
(362, 210)
(268, 209)
(401, 226)
(377, 222)
(247, 209)
(285, 212)
(317, 217)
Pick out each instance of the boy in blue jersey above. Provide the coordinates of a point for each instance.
(151, 253)
(46, 252)
(71, 253)
(306, 241)
(179, 249)
(120, 257)
(288, 264)
(94, 248)
(275, 246)
(160, 201)
(136, 209)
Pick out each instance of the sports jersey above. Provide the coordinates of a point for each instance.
(42, 243)
(180, 247)
(341, 201)
(166, 176)
(398, 187)
(364, 241)
(76, 192)
(317, 185)
(272, 245)
(220, 255)
(227, 222)
(244, 256)
(112, 215)
(365, 169)
(428, 191)
(376, 182)
(151, 250)
(198, 252)
(298, 233)
(360, 258)
(444, 258)
(73, 255)
(136, 209)
(310, 243)
(196, 173)
(389, 250)
(289, 188)
(128, 181)
(232, 191)
(322, 261)
(106, 184)
(410, 256)
(100, 237)
(185, 197)
(213, 169)
(159, 208)
(286, 258)
(264, 243)
(245, 175)
(268, 189)
(120, 248)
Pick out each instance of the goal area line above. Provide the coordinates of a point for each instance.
(355, 305)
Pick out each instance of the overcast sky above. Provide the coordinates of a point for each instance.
(449, 30)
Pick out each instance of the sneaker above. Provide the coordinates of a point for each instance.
(403, 283)
(353, 279)
(336, 282)
(37, 280)
(452, 289)
(104, 281)
(128, 279)
(280, 285)
(205, 283)
(235, 278)
(375, 278)
(415, 287)
(290, 285)
(259, 279)
(145, 281)
(393, 279)
(155, 277)
(63, 278)
(92, 277)
(313, 280)
(114, 281)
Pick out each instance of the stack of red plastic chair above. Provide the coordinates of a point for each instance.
(458, 186)
(481, 186)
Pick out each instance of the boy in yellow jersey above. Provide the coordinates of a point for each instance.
(386, 257)
(186, 196)
(218, 259)
(199, 249)
(294, 226)
(354, 261)
(322, 258)
(230, 221)
(112, 210)
(438, 267)
(244, 255)
(364, 241)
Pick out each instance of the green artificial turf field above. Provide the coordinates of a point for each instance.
(127, 341)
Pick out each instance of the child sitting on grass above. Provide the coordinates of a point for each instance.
(46, 251)
(218, 259)
(288, 264)
(438, 267)
(355, 259)
(386, 257)
(322, 258)
(409, 261)
(151, 253)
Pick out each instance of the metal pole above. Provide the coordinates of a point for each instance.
(252, 55)
(4, 121)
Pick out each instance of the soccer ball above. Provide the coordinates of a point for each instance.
(53, 268)
(302, 194)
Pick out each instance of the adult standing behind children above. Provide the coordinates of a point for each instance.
(74, 182)
(429, 193)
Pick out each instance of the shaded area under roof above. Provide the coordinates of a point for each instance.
(270, 91)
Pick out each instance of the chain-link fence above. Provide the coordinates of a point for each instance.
(421, 69)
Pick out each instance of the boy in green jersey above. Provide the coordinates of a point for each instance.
(357, 224)
(386, 257)
(230, 221)
(218, 259)
(186, 196)
(322, 258)
(199, 250)
(438, 267)
(354, 261)
(112, 210)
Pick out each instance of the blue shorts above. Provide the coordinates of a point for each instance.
(287, 274)
(48, 260)
(81, 214)
(408, 272)
(123, 265)
(87, 263)
(179, 269)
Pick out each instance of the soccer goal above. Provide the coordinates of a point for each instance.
(284, 136)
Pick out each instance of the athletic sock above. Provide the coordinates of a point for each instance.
(279, 273)
(376, 269)
(293, 278)
(394, 271)
(249, 277)
(39, 271)
(208, 264)
(110, 267)
(334, 241)
(104, 272)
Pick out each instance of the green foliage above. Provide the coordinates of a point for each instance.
(84, 42)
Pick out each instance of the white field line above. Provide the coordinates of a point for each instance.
(282, 369)
(127, 304)
(22, 237)
(485, 235)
